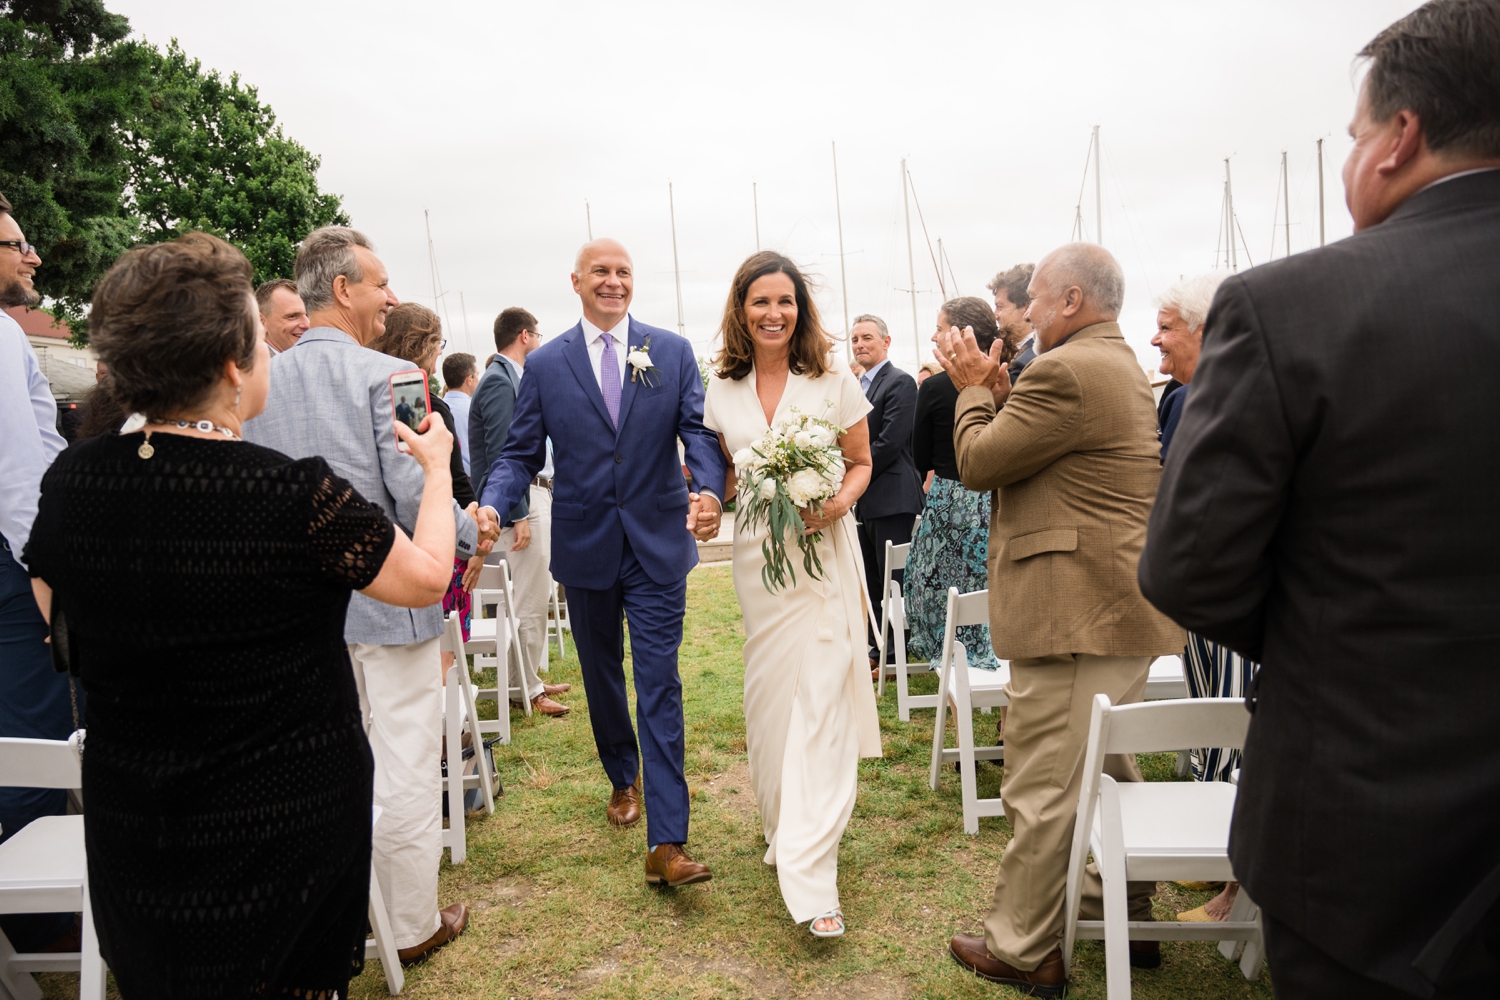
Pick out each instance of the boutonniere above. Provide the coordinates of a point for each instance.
(639, 360)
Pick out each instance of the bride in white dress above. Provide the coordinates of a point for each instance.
(809, 708)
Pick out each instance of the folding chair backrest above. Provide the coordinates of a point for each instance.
(28, 763)
(452, 639)
(1158, 726)
(969, 609)
(895, 557)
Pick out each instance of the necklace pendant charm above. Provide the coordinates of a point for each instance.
(146, 450)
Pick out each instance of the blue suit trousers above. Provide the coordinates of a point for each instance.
(655, 616)
(34, 704)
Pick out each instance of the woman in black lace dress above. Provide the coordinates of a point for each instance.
(202, 582)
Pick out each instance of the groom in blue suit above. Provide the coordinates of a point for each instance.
(623, 527)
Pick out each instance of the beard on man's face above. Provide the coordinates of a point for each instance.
(14, 293)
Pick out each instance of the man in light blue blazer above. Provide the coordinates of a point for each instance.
(615, 396)
(330, 396)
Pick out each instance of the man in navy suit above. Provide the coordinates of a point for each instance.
(615, 396)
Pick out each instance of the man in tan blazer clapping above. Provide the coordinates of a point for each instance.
(1072, 455)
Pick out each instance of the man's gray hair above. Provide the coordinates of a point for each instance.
(1093, 269)
(1191, 297)
(871, 318)
(324, 255)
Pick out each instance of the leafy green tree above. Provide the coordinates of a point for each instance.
(107, 142)
(61, 163)
(204, 153)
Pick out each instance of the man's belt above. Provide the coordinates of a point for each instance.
(543, 482)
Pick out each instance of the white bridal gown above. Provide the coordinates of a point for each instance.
(809, 708)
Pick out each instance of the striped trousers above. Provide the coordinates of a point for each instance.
(1214, 671)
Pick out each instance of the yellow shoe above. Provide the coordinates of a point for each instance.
(1197, 915)
(1201, 886)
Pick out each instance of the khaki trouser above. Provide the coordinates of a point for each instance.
(531, 582)
(401, 696)
(1046, 729)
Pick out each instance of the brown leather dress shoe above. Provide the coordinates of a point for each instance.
(670, 865)
(541, 703)
(556, 688)
(624, 807)
(1046, 980)
(452, 921)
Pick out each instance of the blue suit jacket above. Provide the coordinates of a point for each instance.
(611, 485)
(490, 415)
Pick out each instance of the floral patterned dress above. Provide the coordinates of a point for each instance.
(948, 550)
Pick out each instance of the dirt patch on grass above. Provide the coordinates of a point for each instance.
(731, 791)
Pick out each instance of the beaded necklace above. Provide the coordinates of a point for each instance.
(147, 449)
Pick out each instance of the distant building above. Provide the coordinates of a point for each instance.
(70, 370)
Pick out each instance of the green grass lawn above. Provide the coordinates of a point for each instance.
(559, 908)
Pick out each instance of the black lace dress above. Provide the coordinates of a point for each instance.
(227, 777)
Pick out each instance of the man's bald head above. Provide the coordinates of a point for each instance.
(604, 246)
(1093, 269)
(604, 278)
(1074, 286)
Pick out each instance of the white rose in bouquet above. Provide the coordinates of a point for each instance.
(745, 459)
(806, 439)
(767, 489)
(805, 486)
(823, 436)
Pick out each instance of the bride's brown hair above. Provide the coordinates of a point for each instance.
(810, 343)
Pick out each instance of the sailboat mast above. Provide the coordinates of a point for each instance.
(588, 216)
(755, 201)
(676, 268)
(838, 210)
(1322, 236)
(431, 260)
(468, 342)
(1234, 251)
(1098, 190)
(911, 267)
(1286, 203)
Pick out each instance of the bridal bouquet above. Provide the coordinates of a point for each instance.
(798, 463)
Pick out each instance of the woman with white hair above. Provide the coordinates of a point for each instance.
(1213, 671)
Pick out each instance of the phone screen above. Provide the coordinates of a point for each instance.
(409, 399)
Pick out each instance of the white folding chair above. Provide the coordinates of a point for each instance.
(557, 620)
(971, 688)
(893, 633)
(460, 712)
(496, 642)
(1156, 832)
(44, 869)
(1166, 679)
(382, 944)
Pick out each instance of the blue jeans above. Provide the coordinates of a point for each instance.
(34, 703)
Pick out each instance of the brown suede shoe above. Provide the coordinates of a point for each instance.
(669, 864)
(541, 703)
(556, 688)
(452, 921)
(624, 807)
(1046, 980)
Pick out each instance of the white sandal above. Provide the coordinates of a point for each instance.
(835, 915)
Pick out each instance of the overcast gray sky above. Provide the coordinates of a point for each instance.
(501, 119)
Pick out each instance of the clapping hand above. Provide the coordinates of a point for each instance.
(703, 518)
(967, 365)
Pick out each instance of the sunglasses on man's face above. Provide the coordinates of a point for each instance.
(27, 249)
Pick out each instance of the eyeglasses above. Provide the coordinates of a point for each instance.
(444, 345)
(27, 249)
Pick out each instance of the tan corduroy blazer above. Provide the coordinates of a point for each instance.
(1073, 458)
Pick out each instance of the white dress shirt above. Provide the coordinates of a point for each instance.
(592, 335)
(28, 426)
(458, 401)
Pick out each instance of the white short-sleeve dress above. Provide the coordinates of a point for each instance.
(809, 709)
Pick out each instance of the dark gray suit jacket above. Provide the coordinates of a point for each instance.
(1328, 508)
(1020, 361)
(895, 487)
(490, 415)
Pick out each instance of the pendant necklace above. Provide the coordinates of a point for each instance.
(146, 450)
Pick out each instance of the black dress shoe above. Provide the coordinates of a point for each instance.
(1145, 954)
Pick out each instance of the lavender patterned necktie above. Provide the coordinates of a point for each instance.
(609, 378)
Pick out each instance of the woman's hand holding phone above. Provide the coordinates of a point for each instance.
(432, 448)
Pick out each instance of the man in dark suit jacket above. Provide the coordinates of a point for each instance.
(893, 500)
(494, 404)
(1328, 508)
